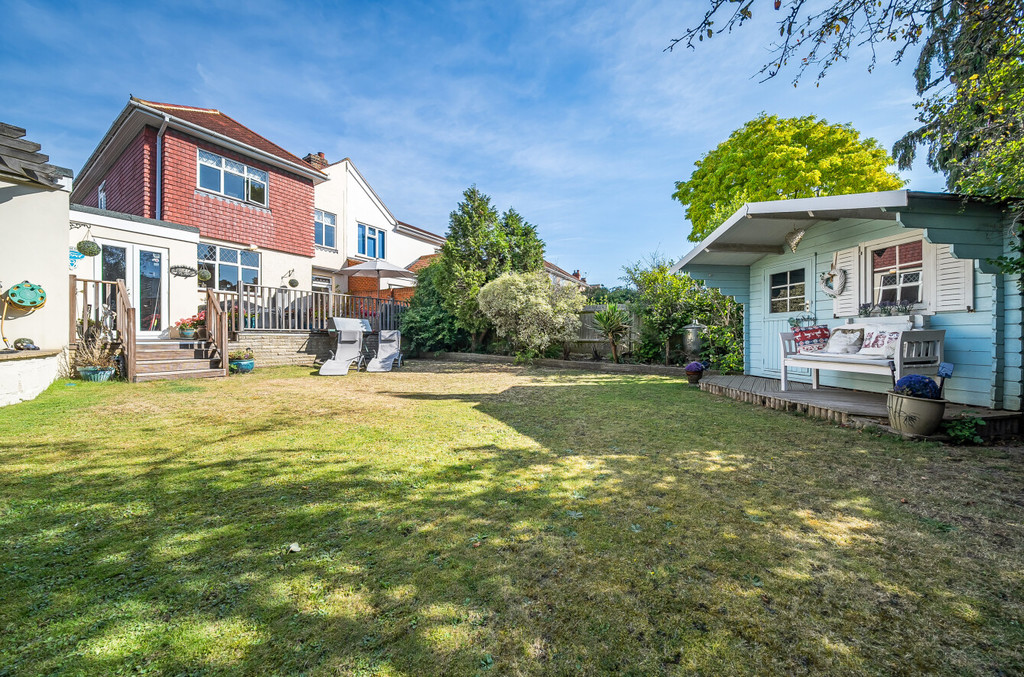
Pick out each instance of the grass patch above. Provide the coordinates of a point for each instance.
(492, 520)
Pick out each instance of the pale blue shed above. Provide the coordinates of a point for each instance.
(932, 249)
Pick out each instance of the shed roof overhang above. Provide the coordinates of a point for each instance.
(971, 227)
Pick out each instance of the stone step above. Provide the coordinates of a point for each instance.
(176, 364)
(169, 375)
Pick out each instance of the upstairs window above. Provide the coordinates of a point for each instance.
(371, 242)
(896, 272)
(101, 195)
(232, 179)
(788, 291)
(228, 267)
(325, 229)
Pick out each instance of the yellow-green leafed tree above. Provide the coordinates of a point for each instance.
(773, 158)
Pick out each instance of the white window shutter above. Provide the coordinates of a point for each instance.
(846, 304)
(954, 281)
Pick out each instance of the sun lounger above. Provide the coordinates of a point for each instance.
(388, 351)
(349, 347)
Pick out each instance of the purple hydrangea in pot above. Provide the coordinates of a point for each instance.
(694, 371)
(915, 405)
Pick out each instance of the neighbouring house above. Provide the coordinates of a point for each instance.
(34, 215)
(557, 275)
(931, 250)
(353, 225)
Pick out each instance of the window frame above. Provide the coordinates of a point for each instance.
(926, 298)
(218, 262)
(363, 236)
(788, 269)
(250, 175)
(101, 195)
(318, 220)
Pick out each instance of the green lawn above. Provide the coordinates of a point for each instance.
(492, 520)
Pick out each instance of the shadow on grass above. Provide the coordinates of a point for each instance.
(608, 525)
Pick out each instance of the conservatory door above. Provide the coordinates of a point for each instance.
(144, 271)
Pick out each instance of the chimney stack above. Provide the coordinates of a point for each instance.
(318, 161)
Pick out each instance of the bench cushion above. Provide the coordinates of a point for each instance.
(810, 339)
(844, 341)
(855, 358)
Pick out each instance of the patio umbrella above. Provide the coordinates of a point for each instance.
(379, 269)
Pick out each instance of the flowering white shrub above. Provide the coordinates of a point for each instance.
(531, 313)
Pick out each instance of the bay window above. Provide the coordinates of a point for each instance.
(232, 179)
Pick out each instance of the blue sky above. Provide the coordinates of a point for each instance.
(569, 111)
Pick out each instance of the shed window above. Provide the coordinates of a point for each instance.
(788, 291)
(896, 273)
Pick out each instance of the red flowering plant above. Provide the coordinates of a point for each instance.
(194, 322)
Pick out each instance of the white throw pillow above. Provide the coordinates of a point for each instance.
(844, 341)
(880, 342)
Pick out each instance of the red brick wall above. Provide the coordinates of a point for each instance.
(367, 286)
(287, 225)
(130, 180)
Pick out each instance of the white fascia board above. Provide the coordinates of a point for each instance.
(699, 247)
(370, 191)
(114, 223)
(422, 236)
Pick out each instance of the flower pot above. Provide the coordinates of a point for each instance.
(694, 376)
(241, 366)
(96, 374)
(914, 415)
(186, 333)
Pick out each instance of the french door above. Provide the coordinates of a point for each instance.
(144, 271)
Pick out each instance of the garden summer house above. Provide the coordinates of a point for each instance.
(932, 251)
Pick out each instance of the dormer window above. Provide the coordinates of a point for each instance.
(232, 179)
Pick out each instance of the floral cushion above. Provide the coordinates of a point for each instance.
(881, 342)
(844, 341)
(810, 339)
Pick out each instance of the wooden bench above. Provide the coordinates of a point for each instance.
(919, 352)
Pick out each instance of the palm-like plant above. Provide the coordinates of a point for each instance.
(613, 322)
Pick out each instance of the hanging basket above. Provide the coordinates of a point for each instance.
(88, 248)
(293, 283)
(205, 275)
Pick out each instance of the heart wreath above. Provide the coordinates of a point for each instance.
(833, 282)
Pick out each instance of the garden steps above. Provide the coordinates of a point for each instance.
(162, 359)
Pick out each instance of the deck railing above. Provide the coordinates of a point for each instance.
(260, 308)
(104, 304)
(217, 326)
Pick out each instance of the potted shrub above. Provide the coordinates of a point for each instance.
(241, 361)
(694, 371)
(95, 355)
(915, 405)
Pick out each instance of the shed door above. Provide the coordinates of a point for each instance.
(788, 293)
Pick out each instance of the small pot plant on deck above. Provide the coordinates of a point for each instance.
(188, 327)
(241, 361)
(915, 405)
(95, 355)
(694, 372)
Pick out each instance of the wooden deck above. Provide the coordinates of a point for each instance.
(847, 407)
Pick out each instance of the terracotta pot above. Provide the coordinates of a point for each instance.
(914, 415)
(694, 376)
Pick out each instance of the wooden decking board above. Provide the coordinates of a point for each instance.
(838, 404)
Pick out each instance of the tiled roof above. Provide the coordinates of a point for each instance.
(20, 159)
(422, 262)
(216, 121)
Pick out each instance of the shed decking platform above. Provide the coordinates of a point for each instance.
(848, 407)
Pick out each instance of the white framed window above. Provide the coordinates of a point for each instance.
(897, 272)
(228, 267)
(788, 291)
(325, 229)
(101, 195)
(370, 241)
(322, 283)
(232, 179)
